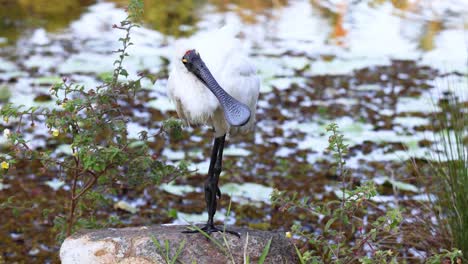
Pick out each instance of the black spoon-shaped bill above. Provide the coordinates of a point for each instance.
(235, 112)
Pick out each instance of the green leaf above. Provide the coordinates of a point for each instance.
(123, 72)
(179, 250)
(301, 259)
(329, 223)
(166, 243)
(106, 76)
(373, 233)
(402, 185)
(15, 212)
(265, 252)
(172, 213)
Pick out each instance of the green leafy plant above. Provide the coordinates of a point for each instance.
(345, 236)
(446, 256)
(166, 250)
(91, 123)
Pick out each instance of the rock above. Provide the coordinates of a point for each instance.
(135, 245)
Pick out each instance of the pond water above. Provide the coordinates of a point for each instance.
(376, 68)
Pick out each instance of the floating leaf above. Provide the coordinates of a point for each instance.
(122, 205)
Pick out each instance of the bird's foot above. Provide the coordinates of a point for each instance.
(209, 229)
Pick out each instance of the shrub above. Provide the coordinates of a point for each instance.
(346, 237)
(91, 122)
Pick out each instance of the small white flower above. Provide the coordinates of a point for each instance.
(6, 133)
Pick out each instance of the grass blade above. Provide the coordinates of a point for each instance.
(228, 248)
(299, 255)
(265, 252)
(246, 256)
(216, 242)
(179, 250)
(156, 242)
(166, 243)
(160, 248)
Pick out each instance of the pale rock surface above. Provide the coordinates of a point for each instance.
(134, 245)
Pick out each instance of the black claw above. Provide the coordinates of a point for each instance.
(209, 229)
(232, 233)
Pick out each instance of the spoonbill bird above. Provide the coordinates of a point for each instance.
(212, 82)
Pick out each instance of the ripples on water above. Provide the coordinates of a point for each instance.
(374, 67)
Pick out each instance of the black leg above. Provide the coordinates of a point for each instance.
(211, 183)
(212, 191)
(218, 167)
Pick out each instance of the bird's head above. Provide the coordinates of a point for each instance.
(193, 62)
(236, 113)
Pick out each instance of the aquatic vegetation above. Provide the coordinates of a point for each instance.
(450, 168)
(5, 94)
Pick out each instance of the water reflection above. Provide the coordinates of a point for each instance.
(334, 14)
(53, 15)
(176, 18)
(427, 38)
(248, 11)
(179, 18)
(421, 21)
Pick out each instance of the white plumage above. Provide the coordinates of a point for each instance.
(212, 82)
(222, 53)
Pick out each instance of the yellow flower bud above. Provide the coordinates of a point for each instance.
(5, 118)
(5, 165)
(288, 234)
(55, 132)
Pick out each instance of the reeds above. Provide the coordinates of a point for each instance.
(450, 164)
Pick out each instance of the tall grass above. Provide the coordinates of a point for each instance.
(450, 166)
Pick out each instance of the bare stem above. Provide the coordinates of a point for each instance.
(73, 201)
